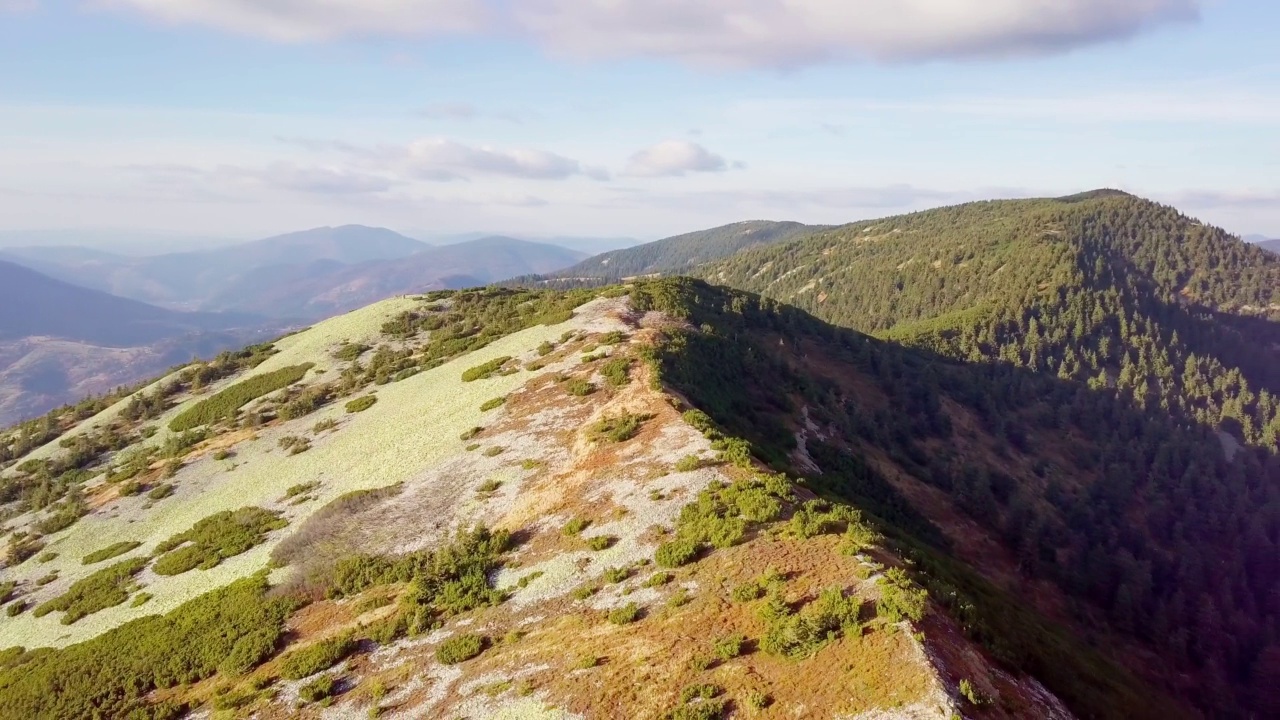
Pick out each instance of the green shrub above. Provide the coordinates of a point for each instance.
(524, 581)
(110, 551)
(46, 557)
(703, 691)
(617, 372)
(324, 425)
(15, 608)
(579, 387)
(6, 590)
(701, 710)
(322, 655)
(130, 488)
(215, 538)
(613, 337)
(361, 404)
(300, 489)
(225, 403)
(900, 598)
(675, 553)
(350, 351)
(624, 615)
(615, 575)
(586, 662)
(658, 579)
(802, 634)
(493, 451)
(105, 588)
(489, 486)
(140, 599)
(485, 370)
(160, 491)
(618, 428)
(459, 648)
(493, 403)
(688, 463)
(747, 592)
(545, 348)
(758, 700)
(41, 582)
(601, 542)
(679, 598)
(584, 592)
(111, 675)
(471, 433)
(575, 526)
(727, 648)
(700, 421)
(318, 689)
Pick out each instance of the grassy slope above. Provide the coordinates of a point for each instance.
(414, 425)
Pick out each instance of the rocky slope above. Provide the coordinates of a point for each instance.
(653, 568)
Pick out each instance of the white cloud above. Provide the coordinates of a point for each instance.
(225, 181)
(441, 159)
(311, 20)
(735, 33)
(674, 158)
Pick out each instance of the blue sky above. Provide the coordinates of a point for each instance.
(642, 118)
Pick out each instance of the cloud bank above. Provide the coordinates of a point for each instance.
(674, 158)
(729, 33)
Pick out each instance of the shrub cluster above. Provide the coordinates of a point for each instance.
(801, 634)
(617, 372)
(215, 538)
(485, 370)
(224, 404)
(900, 598)
(722, 515)
(110, 551)
(361, 404)
(105, 588)
(309, 660)
(459, 648)
(618, 428)
(442, 583)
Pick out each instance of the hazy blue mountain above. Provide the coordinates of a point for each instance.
(60, 342)
(32, 304)
(187, 280)
(323, 288)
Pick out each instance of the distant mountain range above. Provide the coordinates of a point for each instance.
(326, 287)
(32, 304)
(78, 320)
(60, 342)
(304, 275)
(680, 253)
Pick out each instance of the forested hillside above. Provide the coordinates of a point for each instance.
(1134, 353)
(1161, 542)
(682, 253)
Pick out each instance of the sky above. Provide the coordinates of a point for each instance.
(622, 118)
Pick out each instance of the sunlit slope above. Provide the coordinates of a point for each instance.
(415, 424)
